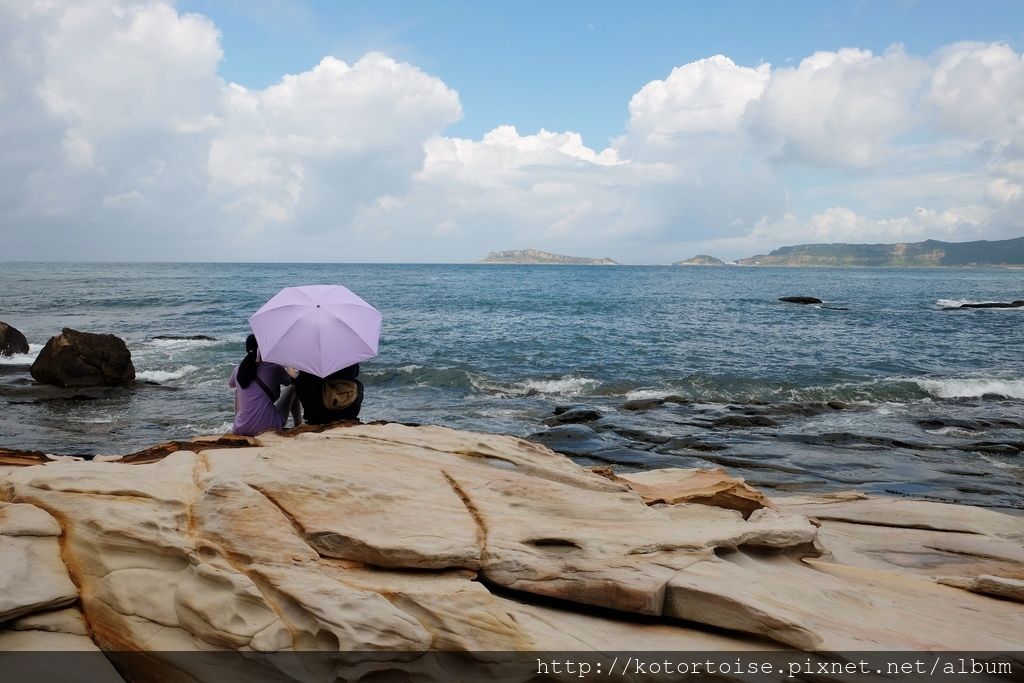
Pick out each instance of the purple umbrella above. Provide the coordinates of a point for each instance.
(316, 328)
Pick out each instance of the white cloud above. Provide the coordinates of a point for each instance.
(843, 225)
(977, 90)
(706, 96)
(320, 143)
(839, 108)
(121, 139)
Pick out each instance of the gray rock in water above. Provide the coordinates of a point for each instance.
(643, 403)
(995, 304)
(573, 415)
(84, 359)
(745, 421)
(572, 439)
(12, 341)
(800, 299)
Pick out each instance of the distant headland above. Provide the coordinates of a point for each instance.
(701, 260)
(535, 256)
(921, 254)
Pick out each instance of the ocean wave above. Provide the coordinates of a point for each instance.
(568, 385)
(22, 358)
(707, 388)
(972, 387)
(461, 379)
(186, 344)
(954, 303)
(419, 376)
(957, 303)
(645, 394)
(164, 375)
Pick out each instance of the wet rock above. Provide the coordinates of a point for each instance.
(744, 421)
(39, 393)
(84, 359)
(800, 300)
(970, 425)
(690, 443)
(633, 457)
(994, 304)
(837, 405)
(634, 434)
(643, 404)
(849, 440)
(995, 448)
(12, 341)
(574, 439)
(573, 415)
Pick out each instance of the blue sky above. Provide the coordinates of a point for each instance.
(573, 65)
(439, 131)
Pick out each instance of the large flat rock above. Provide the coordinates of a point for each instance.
(405, 539)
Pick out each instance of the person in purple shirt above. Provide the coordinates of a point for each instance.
(260, 402)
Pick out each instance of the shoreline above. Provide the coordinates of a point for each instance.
(342, 524)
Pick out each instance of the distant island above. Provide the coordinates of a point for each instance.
(701, 260)
(535, 256)
(928, 253)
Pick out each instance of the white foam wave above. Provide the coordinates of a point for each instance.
(164, 375)
(563, 386)
(972, 387)
(644, 394)
(186, 344)
(22, 358)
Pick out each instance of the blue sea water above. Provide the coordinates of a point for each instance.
(925, 401)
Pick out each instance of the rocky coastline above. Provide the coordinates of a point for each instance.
(396, 538)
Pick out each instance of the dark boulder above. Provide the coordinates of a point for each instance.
(643, 403)
(573, 415)
(84, 359)
(800, 299)
(12, 341)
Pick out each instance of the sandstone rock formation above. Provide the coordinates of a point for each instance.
(12, 341)
(83, 359)
(393, 538)
(707, 487)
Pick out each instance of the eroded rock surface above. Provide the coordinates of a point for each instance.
(388, 537)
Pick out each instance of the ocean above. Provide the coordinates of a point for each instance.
(894, 394)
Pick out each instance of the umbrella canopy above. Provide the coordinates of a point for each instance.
(316, 328)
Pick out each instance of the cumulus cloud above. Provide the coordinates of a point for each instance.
(977, 90)
(706, 96)
(318, 144)
(121, 140)
(839, 108)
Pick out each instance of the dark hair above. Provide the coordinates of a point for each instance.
(247, 368)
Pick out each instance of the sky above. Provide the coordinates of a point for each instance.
(273, 130)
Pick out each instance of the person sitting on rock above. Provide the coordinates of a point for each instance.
(260, 402)
(339, 396)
